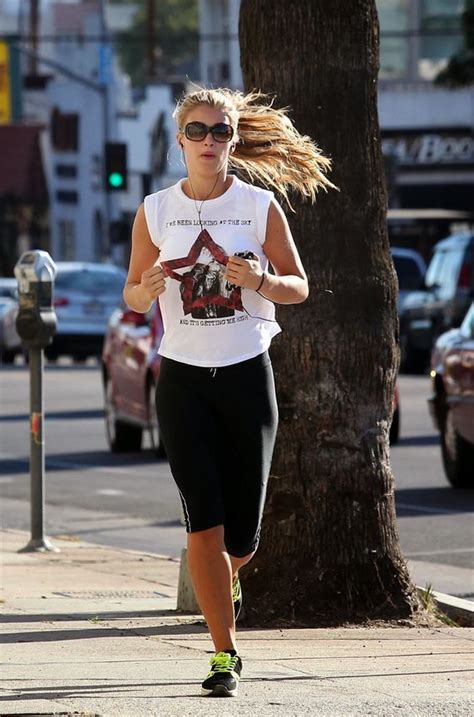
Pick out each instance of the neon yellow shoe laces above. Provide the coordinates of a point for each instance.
(223, 662)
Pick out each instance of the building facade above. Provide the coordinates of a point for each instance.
(427, 129)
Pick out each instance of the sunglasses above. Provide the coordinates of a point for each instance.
(197, 131)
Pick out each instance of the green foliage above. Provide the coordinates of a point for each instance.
(176, 41)
(460, 69)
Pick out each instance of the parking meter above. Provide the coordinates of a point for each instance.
(36, 320)
(35, 272)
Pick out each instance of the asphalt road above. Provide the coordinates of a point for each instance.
(131, 501)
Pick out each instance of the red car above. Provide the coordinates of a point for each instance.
(452, 402)
(130, 369)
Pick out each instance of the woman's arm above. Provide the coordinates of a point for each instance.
(289, 284)
(145, 281)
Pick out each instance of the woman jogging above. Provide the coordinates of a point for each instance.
(203, 246)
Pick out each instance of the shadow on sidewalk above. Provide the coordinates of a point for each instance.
(65, 617)
(67, 691)
(99, 632)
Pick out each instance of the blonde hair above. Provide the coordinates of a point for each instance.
(268, 149)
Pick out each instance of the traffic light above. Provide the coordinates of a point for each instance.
(116, 167)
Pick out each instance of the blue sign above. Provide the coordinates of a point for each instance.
(105, 64)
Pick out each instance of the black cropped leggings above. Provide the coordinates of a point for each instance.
(218, 427)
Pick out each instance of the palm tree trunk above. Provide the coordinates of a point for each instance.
(330, 550)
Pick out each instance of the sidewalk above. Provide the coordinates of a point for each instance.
(92, 631)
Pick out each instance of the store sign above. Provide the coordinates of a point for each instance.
(430, 148)
(5, 90)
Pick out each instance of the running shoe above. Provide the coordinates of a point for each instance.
(237, 596)
(224, 675)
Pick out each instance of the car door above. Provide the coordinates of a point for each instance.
(134, 339)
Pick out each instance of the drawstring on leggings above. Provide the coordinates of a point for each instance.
(213, 374)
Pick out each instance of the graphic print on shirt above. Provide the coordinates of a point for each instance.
(205, 292)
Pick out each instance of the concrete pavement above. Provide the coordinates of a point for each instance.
(92, 630)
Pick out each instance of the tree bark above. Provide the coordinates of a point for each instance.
(329, 550)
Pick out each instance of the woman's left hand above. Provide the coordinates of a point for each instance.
(246, 273)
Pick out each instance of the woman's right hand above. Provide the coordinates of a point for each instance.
(153, 282)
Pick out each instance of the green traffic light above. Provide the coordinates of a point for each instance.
(115, 179)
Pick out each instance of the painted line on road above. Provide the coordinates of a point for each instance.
(427, 509)
(81, 466)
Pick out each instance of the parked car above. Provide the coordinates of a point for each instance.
(441, 304)
(452, 401)
(10, 343)
(411, 269)
(85, 295)
(130, 370)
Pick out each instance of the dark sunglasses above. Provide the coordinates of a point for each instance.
(197, 131)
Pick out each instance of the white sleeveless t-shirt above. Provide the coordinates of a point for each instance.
(208, 321)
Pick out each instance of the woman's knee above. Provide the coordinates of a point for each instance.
(209, 538)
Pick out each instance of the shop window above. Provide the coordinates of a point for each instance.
(441, 35)
(64, 131)
(394, 40)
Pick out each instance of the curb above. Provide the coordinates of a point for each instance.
(459, 610)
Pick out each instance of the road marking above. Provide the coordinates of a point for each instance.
(6, 480)
(82, 466)
(109, 491)
(427, 509)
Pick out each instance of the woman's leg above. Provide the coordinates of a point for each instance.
(239, 562)
(211, 572)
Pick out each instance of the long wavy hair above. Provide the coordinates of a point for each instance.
(269, 149)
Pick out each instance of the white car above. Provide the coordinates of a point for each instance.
(10, 343)
(84, 296)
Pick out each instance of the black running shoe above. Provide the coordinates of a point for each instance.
(237, 596)
(223, 678)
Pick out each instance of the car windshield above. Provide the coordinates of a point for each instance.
(408, 272)
(87, 281)
(467, 326)
(443, 270)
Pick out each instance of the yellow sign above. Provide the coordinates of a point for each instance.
(5, 88)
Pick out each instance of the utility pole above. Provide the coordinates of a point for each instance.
(32, 63)
(151, 39)
(105, 58)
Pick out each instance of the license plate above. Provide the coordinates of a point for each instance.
(94, 307)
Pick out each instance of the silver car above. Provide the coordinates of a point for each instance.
(85, 295)
(10, 343)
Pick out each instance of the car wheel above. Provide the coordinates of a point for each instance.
(155, 437)
(458, 456)
(395, 427)
(79, 358)
(411, 360)
(122, 437)
(7, 356)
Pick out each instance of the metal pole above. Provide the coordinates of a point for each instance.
(106, 132)
(151, 40)
(38, 542)
(34, 36)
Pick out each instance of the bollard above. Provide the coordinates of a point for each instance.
(36, 323)
(187, 601)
